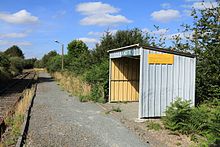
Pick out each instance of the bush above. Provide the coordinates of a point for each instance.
(16, 65)
(29, 63)
(54, 64)
(198, 122)
(177, 116)
(5, 73)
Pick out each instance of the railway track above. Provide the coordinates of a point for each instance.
(10, 95)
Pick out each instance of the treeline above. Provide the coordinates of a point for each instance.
(12, 63)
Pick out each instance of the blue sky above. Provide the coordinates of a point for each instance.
(34, 25)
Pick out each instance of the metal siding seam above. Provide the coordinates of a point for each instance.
(155, 80)
(184, 77)
(172, 79)
(166, 87)
(178, 77)
(160, 88)
(141, 98)
(148, 87)
(190, 78)
(194, 80)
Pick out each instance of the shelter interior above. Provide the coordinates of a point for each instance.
(124, 77)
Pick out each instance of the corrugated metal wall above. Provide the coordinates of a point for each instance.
(160, 84)
(124, 79)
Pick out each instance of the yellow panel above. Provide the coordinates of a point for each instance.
(160, 58)
(112, 70)
(125, 79)
(112, 91)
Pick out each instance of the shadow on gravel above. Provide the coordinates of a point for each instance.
(44, 79)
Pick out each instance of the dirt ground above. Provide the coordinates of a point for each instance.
(129, 117)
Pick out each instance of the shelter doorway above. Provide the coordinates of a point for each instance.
(124, 79)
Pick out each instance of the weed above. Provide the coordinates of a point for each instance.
(118, 109)
(108, 112)
(178, 144)
(151, 125)
(83, 98)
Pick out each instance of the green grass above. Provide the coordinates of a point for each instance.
(83, 98)
(151, 125)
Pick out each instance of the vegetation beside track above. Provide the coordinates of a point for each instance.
(14, 120)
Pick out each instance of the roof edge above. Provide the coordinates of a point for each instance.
(154, 49)
(125, 47)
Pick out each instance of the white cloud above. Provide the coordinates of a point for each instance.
(20, 17)
(165, 15)
(88, 40)
(98, 13)
(59, 14)
(14, 35)
(204, 5)
(145, 30)
(95, 33)
(10, 43)
(160, 31)
(181, 35)
(95, 8)
(165, 5)
(201, 5)
(155, 32)
(99, 34)
(187, 12)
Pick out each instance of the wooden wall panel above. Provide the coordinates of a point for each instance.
(125, 79)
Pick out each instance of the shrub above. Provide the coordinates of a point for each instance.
(202, 123)
(16, 65)
(177, 116)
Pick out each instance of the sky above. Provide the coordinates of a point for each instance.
(33, 25)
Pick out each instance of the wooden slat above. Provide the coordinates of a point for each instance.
(125, 79)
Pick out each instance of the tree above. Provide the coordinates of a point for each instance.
(14, 51)
(78, 56)
(5, 73)
(205, 42)
(76, 48)
(29, 63)
(119, 39)
(46, 58)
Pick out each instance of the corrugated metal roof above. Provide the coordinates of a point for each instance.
(154, 49)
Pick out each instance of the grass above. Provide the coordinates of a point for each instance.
(83, 98)
(178, 144)
(151, 125)
(14, 122)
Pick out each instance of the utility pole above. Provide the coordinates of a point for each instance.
(62, 56)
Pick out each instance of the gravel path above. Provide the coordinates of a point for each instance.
(60, 120)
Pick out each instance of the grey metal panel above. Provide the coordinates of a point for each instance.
(125, 53)
(140, 112)
(158, 90)
(162, 84)
(163, 96)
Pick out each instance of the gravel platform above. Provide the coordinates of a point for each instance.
(59, 120)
